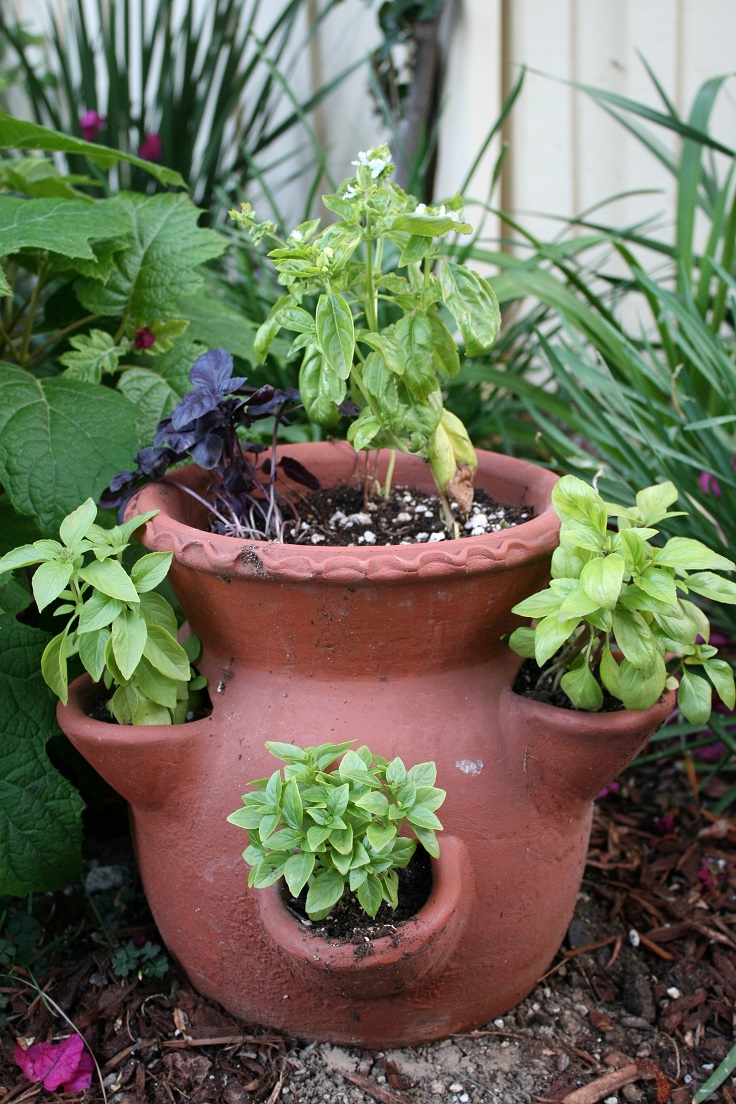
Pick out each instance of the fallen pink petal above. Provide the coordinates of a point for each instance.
(67, 1064)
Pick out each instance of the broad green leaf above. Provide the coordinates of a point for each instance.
(370, 894)
(155, 610)
(521, 641)
(298, 871)
(17, 134)
(336, 333)
(687, 554)
(582, 688)
(165, 654)
(63, 226)
(49, 579)
(580, 536)
(601, 579)
(61, 442)
(287, 752)
(568, 564)
(634, 638)
(658, 584)
(430, 225)
(111, 578)
(325, 891)
(694, 698)
(150, 570)
(549, 635)
(713, 586)
(40, 812)
(94, 355)
(415, 334)
(129, 635)
(473, 305)
(423, 774)
(720, 674)
(393, 354)
(342, 841)
(364, 430)
(54, 668)
(160, 266)
(76, 524)
(428, 840)
(155, 686)
(577, 603)
(24, 556)
(147, 712)
(321, 389)
(634, 549)
(379, 836)
(423, 818)
(610, 672)
(373, 802)
(98, 611)
(92, 650)
(639, 690)
(291, 805)
(396, 772)
(654, 502)
(316, 836)
(575, 500)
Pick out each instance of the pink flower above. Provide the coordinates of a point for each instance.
(709, 484)
(611, 788)
(664, 824)
(67, 1063)
(150, 148)
(143, 339)
(91, 124)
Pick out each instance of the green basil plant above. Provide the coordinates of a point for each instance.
(122, 630)
(339, 829)
(373, 302)
(615, 616)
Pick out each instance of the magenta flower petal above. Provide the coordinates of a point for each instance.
(151, 148)
(66, 1063)
(709, 484)
(143, 339)
(91, 125)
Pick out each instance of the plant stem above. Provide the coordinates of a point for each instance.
(371, 310)
(389, 474)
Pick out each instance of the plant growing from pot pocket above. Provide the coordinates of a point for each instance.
(364, 298)
(122, 630)
(338, 830)
(615, 617)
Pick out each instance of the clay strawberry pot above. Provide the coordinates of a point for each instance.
(400, 648)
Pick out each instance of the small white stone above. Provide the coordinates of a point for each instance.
(456, 1087)
(674, 992)
(463, 1098)
(498, 1023)
(478, 531)
(433, 537)
(634, 938)
(317, 538)
(369, 537)
(403, 516)
(422, 536)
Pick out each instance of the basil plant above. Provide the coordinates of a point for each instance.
(616, 615)
(337, 830)
(124, 633)
(374, 300)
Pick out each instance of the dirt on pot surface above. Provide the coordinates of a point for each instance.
(342, 516)
(637, 1008)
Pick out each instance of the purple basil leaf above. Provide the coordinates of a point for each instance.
(213, 372)
(298, 473)
(154, 462)
(348, 409)
(208, 450)
(194, 405)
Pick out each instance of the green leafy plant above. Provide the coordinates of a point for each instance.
(123, 632)
(205, 90)
(614, 616)
(375, 336)
(333, 830)
(145, 961)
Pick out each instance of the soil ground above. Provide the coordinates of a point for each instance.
(637, 1007)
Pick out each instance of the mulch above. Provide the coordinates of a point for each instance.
(661, 879)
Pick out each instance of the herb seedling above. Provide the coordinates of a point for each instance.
(377, 336)
(123, 632)
(145, 961)
(339, 829)
(614, 616)
(205, 426)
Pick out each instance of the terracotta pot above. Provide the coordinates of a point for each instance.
(399, 648)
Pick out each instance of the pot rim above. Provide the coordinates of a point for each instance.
(234, 556)
(614, 720)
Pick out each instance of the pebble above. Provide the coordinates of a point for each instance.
(456, 1087)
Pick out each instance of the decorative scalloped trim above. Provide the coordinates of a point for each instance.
(231, 556)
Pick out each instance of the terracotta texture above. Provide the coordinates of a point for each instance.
(399, 648)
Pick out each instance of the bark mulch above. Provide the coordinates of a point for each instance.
(652, 949)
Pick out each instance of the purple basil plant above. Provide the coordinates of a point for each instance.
(243, 498)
